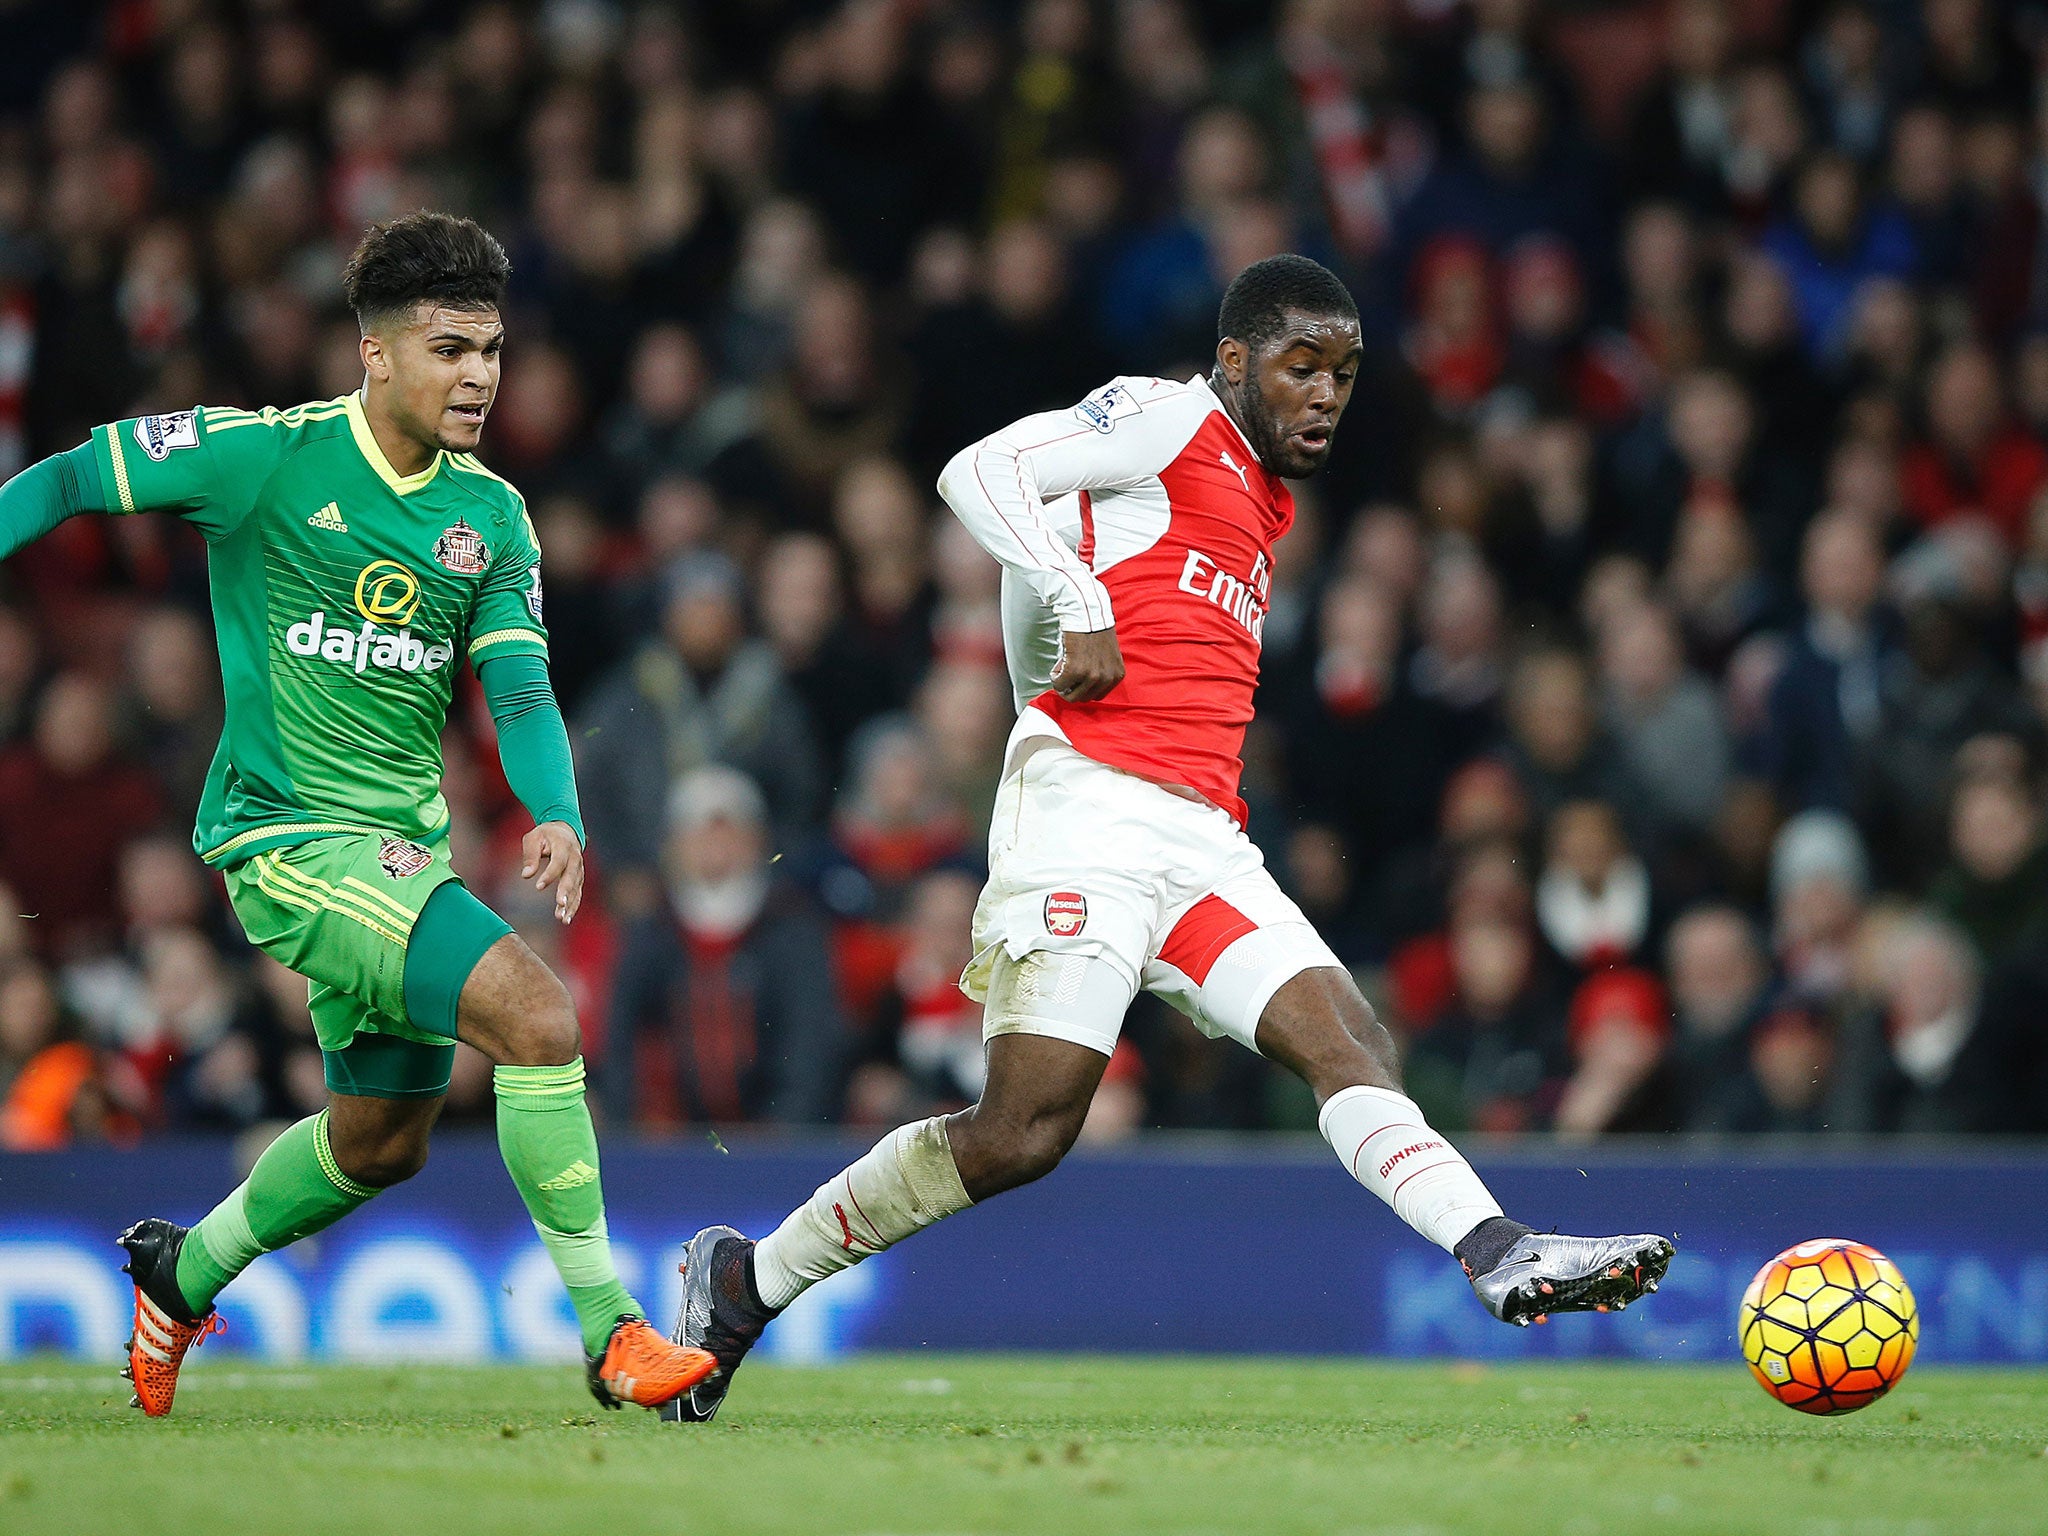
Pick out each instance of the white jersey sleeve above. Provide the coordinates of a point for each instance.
(1031, 640)
(1118, 437)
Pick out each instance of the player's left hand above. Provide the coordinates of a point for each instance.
(1091, 663)
(554, 857)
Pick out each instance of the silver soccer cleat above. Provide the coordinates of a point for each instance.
(1546, 1272)
(719, 1314)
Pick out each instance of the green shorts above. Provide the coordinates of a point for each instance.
(342, 912)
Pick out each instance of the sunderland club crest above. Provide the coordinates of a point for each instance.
(461, 549)
(401, 858)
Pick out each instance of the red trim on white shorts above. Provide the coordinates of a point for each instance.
(1205, 930)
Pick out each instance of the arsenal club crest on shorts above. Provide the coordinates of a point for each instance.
(1066, 914)
(401, 858)
(461, 549)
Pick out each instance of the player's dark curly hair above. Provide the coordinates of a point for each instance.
(1256, 304)
(433, 256)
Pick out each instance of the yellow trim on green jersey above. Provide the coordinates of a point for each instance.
(301, 829)
(366, 441)
(221, 418)
(121, 486)
(334, 700)
(476, 466)
(471, 464)
(505, 637)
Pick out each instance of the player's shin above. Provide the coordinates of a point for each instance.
(550, 1149)
(1382, 1138)
(907, 1182)
(295, 1190)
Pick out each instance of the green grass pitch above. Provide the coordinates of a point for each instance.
(944, 1445)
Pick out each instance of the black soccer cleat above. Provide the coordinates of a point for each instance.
(164, 1327)
(719, 1314)
(1545, 1272)
(153, 1246)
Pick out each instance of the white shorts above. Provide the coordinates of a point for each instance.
(1088, 863)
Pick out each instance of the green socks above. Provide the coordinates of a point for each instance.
(295, 1190)
(550, 1149)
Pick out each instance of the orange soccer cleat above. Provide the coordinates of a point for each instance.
(164, 1328)
(640, 1366)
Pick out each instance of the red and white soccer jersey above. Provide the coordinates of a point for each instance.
(1142, 509)
(1145, 509)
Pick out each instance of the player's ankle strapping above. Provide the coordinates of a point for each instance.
(1482, 1249)
(907, 1182)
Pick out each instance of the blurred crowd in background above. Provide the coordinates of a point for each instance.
(1654, 691)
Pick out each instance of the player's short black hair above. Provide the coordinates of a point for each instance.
(432, 256)
(1256, 304)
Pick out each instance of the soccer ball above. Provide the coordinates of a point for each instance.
(1829, 1326)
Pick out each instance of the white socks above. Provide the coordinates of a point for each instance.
(907, 1182)
(1390, 1149)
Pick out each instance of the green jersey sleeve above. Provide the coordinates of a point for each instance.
(508, 604)
(207, 465)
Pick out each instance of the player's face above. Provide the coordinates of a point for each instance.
(1292, 390)
(440, 373)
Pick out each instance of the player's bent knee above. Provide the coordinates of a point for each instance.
(1320, 1027)
(1362, 1023)
(380, 1161)
(554, 1038)
(1040, 1148)
(995, 1151)
(549, 1041)
(1020, 1155)
(388, 1166)
(517, 1012)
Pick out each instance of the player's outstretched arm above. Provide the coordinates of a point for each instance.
(47, 492)
(533, 747)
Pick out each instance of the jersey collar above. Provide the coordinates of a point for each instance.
(366, 443)
(1201, 382)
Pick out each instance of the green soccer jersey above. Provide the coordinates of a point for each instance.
(345, 597)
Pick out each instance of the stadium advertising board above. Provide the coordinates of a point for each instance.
(1181, 1246)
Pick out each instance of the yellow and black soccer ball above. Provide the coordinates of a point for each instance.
(1829, 1326)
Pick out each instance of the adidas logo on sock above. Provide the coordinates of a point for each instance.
(575, 1176)
(329, 518)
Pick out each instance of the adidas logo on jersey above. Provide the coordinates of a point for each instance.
(328, 518)
(366, 647)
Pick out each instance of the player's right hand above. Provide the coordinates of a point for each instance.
(1090, 665)
(552, 856)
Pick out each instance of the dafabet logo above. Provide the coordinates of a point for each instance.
(386, 594)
